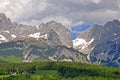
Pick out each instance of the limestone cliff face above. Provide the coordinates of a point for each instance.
(50, 41)
(19, 30)
(102, 43)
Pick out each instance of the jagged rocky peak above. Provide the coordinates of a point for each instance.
(2, 16)
(48, 41)
(5, 22)
(53, 38)
(20, 30)
(116, 20)
(113, 23)
(101, 43)
(63, 32)
(52, 22)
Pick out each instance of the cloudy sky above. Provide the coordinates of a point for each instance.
(68, 12)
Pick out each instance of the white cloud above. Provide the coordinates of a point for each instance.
(22, 9)
(101, 16)
(67, 12)
(96, 1)
(59, 19)
(85, 2)
(78, 23)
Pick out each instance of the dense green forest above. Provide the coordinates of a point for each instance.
(47, 70)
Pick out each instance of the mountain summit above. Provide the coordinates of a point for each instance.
(50, 41)
(42, 30)
(101, 43)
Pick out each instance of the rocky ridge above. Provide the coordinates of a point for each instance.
(101, 43)
(50, 41)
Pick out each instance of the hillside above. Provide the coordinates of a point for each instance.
(29, 50)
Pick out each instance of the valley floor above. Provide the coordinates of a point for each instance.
(46, 70)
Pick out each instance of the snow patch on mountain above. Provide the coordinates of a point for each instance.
(38, 35)
(3, 38)
(37, 27)
(78, 42)
(45, 36)
(35, 35)
(115, 34)
(87, 44)
(7, 31)
(13, 36)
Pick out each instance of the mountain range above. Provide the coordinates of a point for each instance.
(101, 43)
(52, 41)
(47, 41)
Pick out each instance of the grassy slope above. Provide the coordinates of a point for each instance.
(11, 58)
